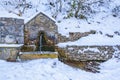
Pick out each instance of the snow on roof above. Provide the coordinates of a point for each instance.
(11, 45)
(37, 13)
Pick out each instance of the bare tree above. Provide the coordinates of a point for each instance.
(79, 6)
(55, 5)
(20, 5)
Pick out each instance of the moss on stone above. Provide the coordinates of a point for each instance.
(48, 48)
(27, 48)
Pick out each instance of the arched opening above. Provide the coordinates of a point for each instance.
(44, 43)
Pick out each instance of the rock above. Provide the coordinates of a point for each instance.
(10, 39)
(109, 35)
(1, 24)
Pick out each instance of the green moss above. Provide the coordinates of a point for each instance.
(48, 48)
(82, 17)
(43, 40)
(45, 45)
(70, 15)
(27, 48)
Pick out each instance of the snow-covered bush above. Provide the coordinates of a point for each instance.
(16, 6)
(82, 9)
(116, 11)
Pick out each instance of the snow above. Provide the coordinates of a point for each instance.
(9, 15)
(28, 19)
(96, 39)
(11, 45)
(52, 69)
(6, 14)
(89, 49)
(106, 25)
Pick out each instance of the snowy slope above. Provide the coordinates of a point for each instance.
(52, 69)
(102, 21)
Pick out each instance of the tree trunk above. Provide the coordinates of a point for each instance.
(78, 9)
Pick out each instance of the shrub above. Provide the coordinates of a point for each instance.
(116, 11)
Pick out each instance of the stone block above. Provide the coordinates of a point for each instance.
(10, 39)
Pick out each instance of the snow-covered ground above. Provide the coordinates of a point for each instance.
(52, 69)
(103, 22)
(103, 27)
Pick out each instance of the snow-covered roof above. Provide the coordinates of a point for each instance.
(36, 14)
(11, 45)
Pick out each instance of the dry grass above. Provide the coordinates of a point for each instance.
(76, 64)
(90, 66)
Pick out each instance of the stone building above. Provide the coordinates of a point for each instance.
(40, 25)
(39, 31)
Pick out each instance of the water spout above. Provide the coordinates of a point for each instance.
(40, 47)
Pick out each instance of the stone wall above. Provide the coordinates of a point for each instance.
(62, 38)
(8, 53)
(90, 53)
(73, 36)
(40, 22)
(11, 30)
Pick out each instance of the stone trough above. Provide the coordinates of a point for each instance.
(37, 55)
(9, 51)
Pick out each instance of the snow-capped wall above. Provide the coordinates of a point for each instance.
(11, 30)
(73, 36)
(86, 53)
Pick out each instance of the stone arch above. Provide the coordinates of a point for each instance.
(44, 43)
